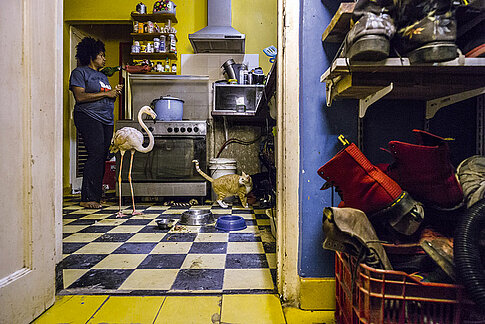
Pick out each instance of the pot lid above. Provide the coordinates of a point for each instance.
(170, 98)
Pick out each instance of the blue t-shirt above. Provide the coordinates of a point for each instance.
(93, 81)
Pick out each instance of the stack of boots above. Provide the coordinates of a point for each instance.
(363, 186)
(425, 30)
(371, 30)
(425, 171)
(348, 230)
(471, 174)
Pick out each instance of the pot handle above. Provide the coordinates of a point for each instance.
(154, 102)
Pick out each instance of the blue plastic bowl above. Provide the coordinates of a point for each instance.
(230, 223)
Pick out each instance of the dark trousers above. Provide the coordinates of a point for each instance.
(97, 139)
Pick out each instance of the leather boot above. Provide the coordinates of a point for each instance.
(425, 30)
(425, 171)
(471, 174)
(365, 187)
(371, 30)
(348, 230)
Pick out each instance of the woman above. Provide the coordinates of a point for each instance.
(93, 115)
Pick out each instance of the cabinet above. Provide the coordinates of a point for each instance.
(438, 84)
(162, 20)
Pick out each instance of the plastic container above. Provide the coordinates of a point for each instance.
(221, 166)
(230, 223)
(385, 296)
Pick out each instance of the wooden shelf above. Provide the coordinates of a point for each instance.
(160, 56)
(155, 17)
(149, 36)
(340, 24)
(412, 81)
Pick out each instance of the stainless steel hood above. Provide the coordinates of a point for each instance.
(218, 36)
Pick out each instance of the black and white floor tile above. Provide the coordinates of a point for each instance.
(132, 255)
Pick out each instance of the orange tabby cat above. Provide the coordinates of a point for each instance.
(229, 185)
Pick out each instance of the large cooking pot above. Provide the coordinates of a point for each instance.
(168, 108)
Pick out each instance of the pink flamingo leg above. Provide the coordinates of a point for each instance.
(120, 214)
(131, 186)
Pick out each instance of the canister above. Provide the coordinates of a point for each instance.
(156, 44)
(162, 46)
(140, 27)
(173, 43)
(150, 26)
(149, 47)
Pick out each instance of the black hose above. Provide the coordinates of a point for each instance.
(467, 253)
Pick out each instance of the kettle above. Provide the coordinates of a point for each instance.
(141, 8)
(165, 6)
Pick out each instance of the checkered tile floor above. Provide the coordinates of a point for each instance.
(131, 255)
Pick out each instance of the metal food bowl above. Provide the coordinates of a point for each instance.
(196, 217)
(165, 223)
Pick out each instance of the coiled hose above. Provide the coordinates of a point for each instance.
(466, 252)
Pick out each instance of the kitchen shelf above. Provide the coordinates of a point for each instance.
(340, 23)
(154, 56)
(149, 36)
(155, 17)
(437, 83)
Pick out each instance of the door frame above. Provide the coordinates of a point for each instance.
(288, 151)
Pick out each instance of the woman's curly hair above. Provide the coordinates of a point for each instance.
(88, 49)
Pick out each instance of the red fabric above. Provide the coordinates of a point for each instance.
(425, 171)
(363, 185)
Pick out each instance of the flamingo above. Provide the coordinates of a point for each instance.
(129, 138)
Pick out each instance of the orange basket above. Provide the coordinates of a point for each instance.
(385, 296)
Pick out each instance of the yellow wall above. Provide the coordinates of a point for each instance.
(255, 18)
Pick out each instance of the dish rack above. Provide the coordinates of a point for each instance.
(368, 295)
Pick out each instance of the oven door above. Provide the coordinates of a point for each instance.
(167, 170)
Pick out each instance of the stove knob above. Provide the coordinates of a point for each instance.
(196, 129)
(176, 129)
(169, 129)
(182, 129)
(189, 129)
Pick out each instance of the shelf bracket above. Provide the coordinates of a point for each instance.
(370, 99)
(432, 106)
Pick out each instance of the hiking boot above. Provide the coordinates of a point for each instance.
(371, 30)
(426, 31)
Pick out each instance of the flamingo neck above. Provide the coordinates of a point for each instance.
(150, 135)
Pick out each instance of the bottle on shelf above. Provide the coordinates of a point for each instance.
(174, 68)
(167, 65)
(110, 70)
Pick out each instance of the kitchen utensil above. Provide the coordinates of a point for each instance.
(168, 108)
(230, 223)
(271, 51)
(196, 217)
(228, 68)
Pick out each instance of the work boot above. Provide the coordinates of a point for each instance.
(470, 20)
(371, 30)
(348, 230)
(425, 171)
(471, 174)
(365, 187)
(425, 30)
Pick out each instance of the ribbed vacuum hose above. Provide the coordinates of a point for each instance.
(467, 253)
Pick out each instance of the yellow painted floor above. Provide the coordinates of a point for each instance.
(253, 308)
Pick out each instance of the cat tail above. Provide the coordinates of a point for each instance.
(201, 172)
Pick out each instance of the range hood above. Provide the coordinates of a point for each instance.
(218, 36)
